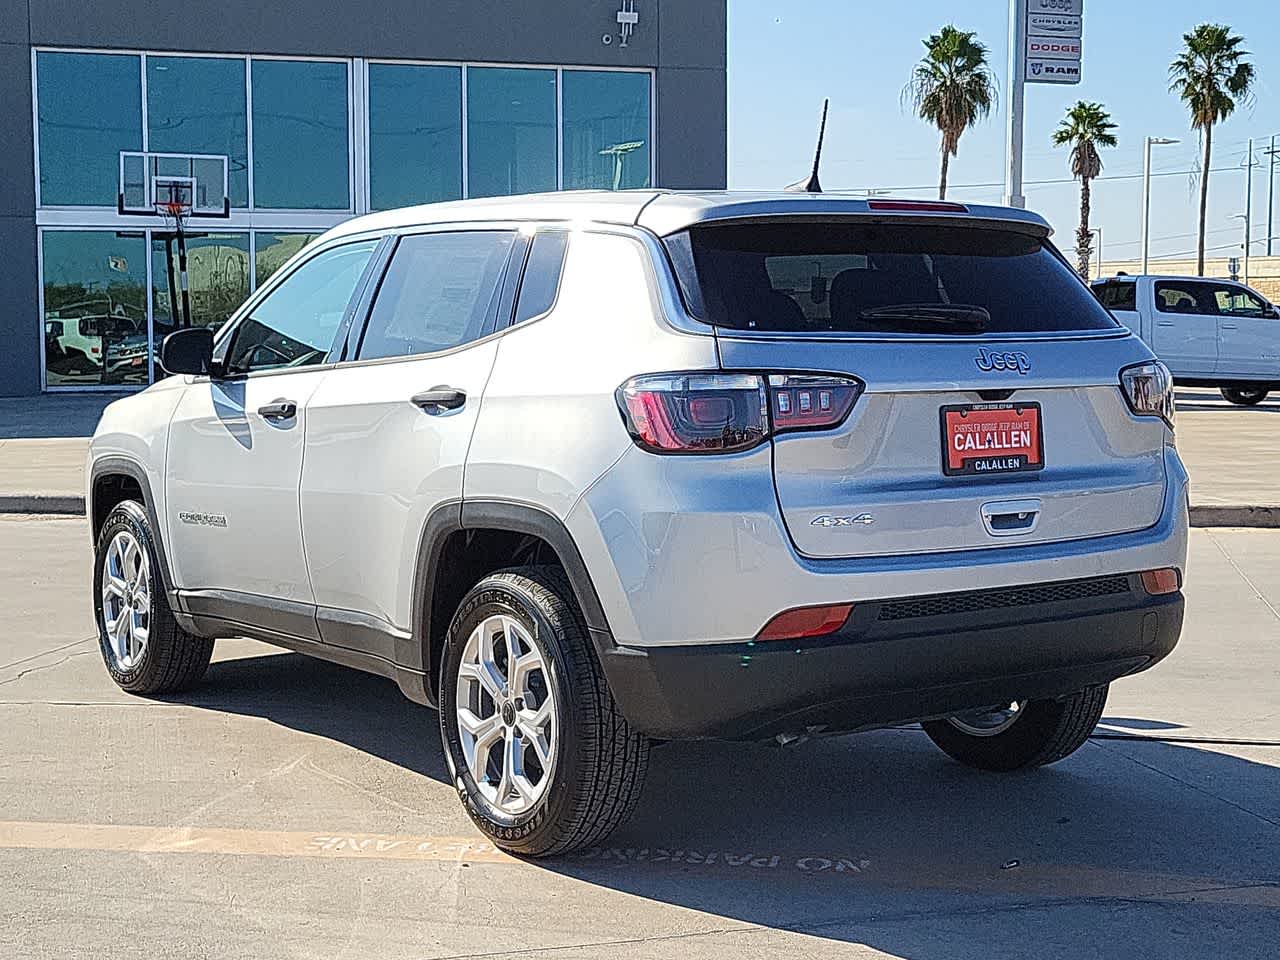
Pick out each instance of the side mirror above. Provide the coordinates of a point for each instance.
(188, 351)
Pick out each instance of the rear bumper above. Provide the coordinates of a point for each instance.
(896, 662)
(691, 551)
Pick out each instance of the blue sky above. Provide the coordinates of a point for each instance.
(785, 57)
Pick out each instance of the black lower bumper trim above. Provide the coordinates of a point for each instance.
(878, 672)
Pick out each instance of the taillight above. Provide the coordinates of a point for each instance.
(695, 413)
(809, 402)
(728, 412)
(1148, 389)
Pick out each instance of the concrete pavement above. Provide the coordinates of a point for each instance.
(291, 808)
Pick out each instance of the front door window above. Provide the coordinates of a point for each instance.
(295, 325)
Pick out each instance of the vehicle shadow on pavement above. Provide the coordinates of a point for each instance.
(1132, 847)
(363, 711)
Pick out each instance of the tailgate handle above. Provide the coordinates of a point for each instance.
(1010, 518)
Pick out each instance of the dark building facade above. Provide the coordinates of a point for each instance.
(283, 120)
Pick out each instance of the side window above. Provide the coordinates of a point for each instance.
(1177, 296)
(438, 293)
(1118, 294)
(295, 325)
(1238, 302)
(541, 275)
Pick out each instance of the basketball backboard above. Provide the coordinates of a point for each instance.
(147, 179)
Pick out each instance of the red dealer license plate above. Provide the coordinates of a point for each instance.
(987, 438)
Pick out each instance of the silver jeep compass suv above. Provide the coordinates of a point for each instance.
(588, 470)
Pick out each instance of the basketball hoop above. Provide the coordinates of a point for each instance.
(174, 188)
(173, 198)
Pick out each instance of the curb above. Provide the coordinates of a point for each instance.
(1232, 515)
(1203, 515)
(69, 505)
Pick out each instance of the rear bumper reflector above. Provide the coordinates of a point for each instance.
(806, 622)
(1160, 582)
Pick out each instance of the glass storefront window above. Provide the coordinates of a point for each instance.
(415, 134)
(511, 131)
(197, 105)
(606, 130)
(273, 250)
(300, 137)
(89, 109)
(217, 279)
(95, 307)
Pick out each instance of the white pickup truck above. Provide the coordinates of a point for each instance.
(1209, 332)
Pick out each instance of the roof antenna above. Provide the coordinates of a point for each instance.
(812, 185)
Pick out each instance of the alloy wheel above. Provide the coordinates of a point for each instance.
(126, 599)
(506, 715)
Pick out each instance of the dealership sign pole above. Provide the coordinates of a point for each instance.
(1044, 47)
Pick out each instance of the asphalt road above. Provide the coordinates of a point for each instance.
(289, 808)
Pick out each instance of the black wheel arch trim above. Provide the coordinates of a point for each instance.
(124, 466)
(507, 515)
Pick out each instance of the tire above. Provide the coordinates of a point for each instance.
(595, 764)
(1043, 732)
(164, 660)
(1245, 396)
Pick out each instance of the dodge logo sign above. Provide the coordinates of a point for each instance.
(989, 360)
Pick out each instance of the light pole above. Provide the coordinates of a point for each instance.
(1098, 273)
(1245, 218)
(1146, 197)
(1271, 190)
(1017, 95)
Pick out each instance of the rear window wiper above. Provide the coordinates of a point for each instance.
(943, 317)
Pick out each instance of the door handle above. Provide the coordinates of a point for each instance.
(438, 399)
(1008, 518)
(278, 409)
(1230, 326)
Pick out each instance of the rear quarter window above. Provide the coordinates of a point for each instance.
(830, 277)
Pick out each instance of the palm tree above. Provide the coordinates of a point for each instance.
(1211, 75)
(1085, 128)
(951, 87)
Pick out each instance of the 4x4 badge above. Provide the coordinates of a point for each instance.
(988, 360)
(864, 519)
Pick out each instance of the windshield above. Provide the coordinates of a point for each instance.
(834, 277)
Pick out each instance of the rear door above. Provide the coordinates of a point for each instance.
(387, 433)
(1185, 327)
(992, 413)
(1249, 333)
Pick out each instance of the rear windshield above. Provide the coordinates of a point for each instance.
(825, 277)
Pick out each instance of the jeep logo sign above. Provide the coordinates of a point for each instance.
(1070, 7)
(990, 360)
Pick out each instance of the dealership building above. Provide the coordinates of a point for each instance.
(278, 121)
